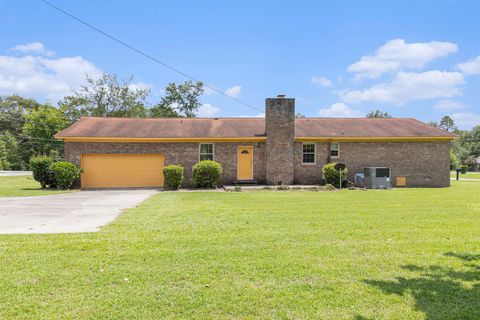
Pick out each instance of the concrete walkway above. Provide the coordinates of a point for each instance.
(465, 179)
(82, 211)
(8, 173)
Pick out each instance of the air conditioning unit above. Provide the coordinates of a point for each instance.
(377, 178)
(359, 180)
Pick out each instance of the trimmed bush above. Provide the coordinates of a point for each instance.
(173, 176)
(463, 168)
(40, 167)
(206, 174)
(332, 175)
(65, 174)
(329, 187)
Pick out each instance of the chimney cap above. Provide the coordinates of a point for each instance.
(281, 95)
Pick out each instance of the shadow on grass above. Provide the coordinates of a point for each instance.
(441, 292)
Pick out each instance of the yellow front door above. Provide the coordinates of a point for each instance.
(245, 163)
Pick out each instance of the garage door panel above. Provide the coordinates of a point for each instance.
(122, 171)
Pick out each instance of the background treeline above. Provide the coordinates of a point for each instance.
(27, 127)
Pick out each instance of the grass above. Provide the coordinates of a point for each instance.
(468, 175)
(23, 186)
(398, 254)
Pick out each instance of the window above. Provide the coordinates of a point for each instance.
(308, 153)
(334, 150)
(206, 151)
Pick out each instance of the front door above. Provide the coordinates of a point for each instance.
(245, 163)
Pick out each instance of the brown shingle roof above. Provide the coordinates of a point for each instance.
(247, 127)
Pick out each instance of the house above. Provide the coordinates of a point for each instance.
(277, 149)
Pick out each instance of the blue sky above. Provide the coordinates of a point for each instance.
(338, 59)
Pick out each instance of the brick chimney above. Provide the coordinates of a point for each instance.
(280, 130)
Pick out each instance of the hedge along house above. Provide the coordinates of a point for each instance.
(277, 149)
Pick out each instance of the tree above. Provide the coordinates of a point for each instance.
(40, 126)
(179, 101)
(106, 97)
(16, 152)
(447, 124)
(299, 115)
(12, 112)
(433, 124)
(4, 163)
(378, 114)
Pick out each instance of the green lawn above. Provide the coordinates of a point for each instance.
(398, 254)
(468, 175)
(23, 186)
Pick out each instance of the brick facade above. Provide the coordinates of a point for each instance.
(185, 154)
(424, 164)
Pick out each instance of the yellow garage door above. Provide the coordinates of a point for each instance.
(122, 170)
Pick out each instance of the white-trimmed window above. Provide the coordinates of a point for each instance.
(206, 151)
(334, 150)
(308, 153)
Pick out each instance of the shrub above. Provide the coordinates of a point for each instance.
(173, 176)
(332, 175)
(206, 174)
(65, 174)
(237, 189)
(463, 168)
(330, 187)
(40, 167)
(282, 187)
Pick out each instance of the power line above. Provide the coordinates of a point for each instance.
(146, 55)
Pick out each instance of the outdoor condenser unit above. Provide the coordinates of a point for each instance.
(376, 178)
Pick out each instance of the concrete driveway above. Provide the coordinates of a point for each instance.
(82, 211)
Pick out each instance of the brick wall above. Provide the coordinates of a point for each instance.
(425, 164)
(280, 130)
(185, 154)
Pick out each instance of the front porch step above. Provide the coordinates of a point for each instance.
(245, 182)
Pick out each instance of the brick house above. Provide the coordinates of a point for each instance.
(130, 152)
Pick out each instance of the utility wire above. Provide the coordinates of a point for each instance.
(146, 55)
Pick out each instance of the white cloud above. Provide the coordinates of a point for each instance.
(466, 120)
(321, 81)
(472, 66)
(233, 91)
(396, 55)
(207, 110)
(33, 47)
(338, 110)
(408, 86)
(446, 105)
(43, 78)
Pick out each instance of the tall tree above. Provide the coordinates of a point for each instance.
(41, 125)
(447, 124)
(12, 113)
(378, 114)
(180, 100)
(17, 151)
(106, 97)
